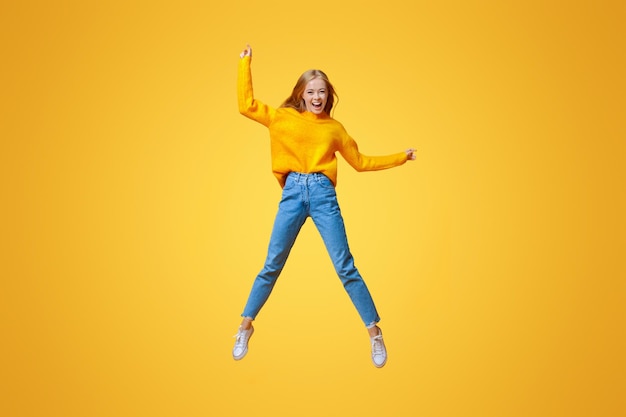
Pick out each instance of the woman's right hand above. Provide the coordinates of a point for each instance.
(246, 52)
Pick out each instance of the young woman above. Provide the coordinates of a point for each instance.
(304, 140)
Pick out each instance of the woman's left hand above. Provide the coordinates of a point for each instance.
(410, 154)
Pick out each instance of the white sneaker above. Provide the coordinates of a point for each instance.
(379, 352)
(241, 342)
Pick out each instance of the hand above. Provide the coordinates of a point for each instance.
(410, 154)
(246, 52)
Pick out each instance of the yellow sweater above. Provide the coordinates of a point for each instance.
(305, 142)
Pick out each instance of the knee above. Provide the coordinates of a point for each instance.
(269, 275)
(344, 265)
(349, 275)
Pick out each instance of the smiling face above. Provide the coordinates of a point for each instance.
(315, 95)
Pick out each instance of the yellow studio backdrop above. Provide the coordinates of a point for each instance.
(137, 207)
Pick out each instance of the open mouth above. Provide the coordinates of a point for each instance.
(317, 106)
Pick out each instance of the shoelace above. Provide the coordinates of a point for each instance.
(240, 338)
(377, 344)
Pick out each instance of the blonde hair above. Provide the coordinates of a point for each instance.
(295, 100)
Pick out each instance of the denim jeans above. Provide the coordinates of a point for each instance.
(310, 195)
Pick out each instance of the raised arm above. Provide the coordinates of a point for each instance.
(248, 106)
(246, 52)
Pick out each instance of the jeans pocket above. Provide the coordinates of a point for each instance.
(289, 183)
(325, 182)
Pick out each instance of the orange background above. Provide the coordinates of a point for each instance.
(137, 206)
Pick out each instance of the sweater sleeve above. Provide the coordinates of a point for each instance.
(360, 162)
(248, 106)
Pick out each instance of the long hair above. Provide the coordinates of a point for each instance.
(295, 100)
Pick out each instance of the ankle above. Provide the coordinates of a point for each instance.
(374, 331)
(246, 323)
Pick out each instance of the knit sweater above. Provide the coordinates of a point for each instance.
(305, 142)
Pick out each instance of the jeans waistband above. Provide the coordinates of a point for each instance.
(302, 178)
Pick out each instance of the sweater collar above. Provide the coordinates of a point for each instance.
(312, 116)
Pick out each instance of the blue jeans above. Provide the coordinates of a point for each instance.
(310, 195)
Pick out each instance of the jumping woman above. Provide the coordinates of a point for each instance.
(304, 142)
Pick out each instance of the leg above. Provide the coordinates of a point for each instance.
(328, 220)
(289, 220)
(327, 217)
